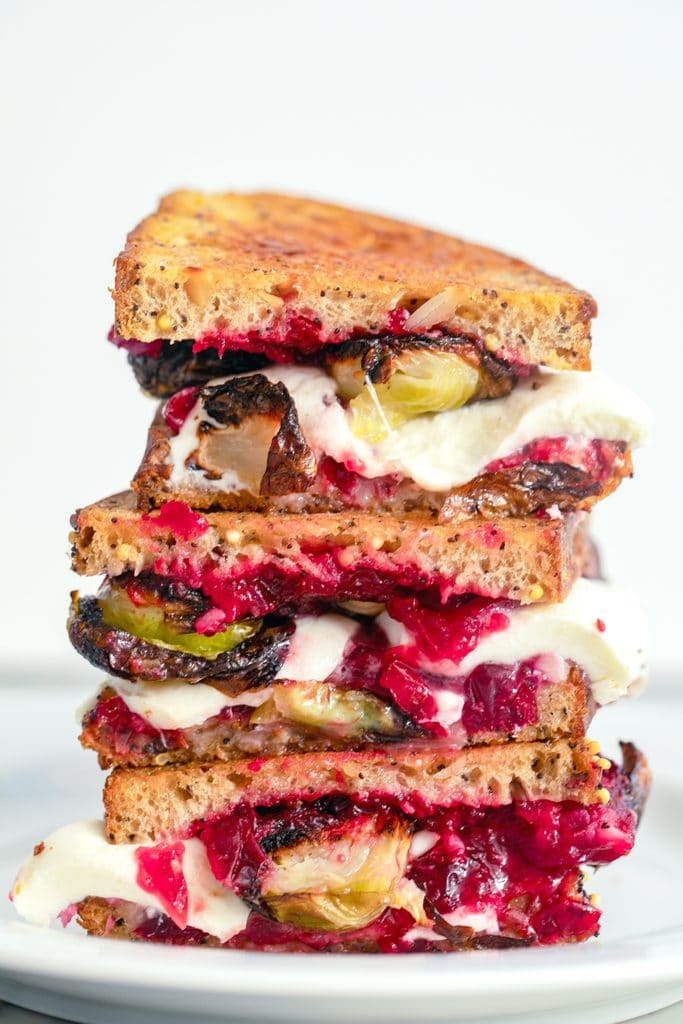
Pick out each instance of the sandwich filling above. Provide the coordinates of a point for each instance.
(338, 873)
(472, 671)
(438, 432)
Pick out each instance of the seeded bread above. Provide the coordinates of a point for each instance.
(120, 920)
(151, 804)
(230, 264)
(529, 559)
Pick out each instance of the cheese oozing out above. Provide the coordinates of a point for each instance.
(439, 451)
(599, 626)
(317, 647)
(76, 861)
(315, 650)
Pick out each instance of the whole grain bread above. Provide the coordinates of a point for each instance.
(121, 920)
(151, 804)
(236, 264)
(529, 559)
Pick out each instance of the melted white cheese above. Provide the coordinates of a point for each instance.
(421, 843)
(315, 650)
(317, 647)
(479, 920)
(442, 450)
(613, 658)
(449, 707)
(180, 705)
(483, 922)
(77, 862)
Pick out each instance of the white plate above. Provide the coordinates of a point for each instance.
(636, 965)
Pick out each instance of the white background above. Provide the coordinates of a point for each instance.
(552, 130)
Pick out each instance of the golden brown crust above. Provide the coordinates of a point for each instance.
(528, 559)
(237, 263)
(144, 804)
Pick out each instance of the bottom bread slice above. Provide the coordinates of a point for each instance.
(345, 872)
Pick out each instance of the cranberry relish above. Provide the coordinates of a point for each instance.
(163, 367)
(519, 865)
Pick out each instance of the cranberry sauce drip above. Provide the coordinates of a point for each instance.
(501, 698)
(595, 457)
(136, 348)
(178, 407)
(160, 872)
(519, 861)
(179, 518)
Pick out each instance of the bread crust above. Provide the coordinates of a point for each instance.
(231, 264)
(151, 804)
(527, 559)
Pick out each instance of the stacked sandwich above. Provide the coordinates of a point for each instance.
(351, 625)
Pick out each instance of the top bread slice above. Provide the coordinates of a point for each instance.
(528, 559)
(238, 264)
(144, 804)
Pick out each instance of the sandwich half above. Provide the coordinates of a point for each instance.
(471, 671)
(416, 430)
(346, 852)
(217, 284)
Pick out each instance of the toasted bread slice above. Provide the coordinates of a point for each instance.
(263, 270)
(357, 555)
(122, 921)
(152, 804)
(563, 710)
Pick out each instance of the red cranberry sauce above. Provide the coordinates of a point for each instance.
(595, 457)
(111, 726)
(519, 861)
(247, 589)
(178, 407)
(183, 522)
(292, 335)
(136, 348)
(160, 873)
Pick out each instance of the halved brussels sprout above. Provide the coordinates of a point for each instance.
(330, 709)
(422, 381)
(343, 878)
(156, 623)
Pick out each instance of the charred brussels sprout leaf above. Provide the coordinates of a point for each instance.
(343, 879)
(422, 381)
(157, 624)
